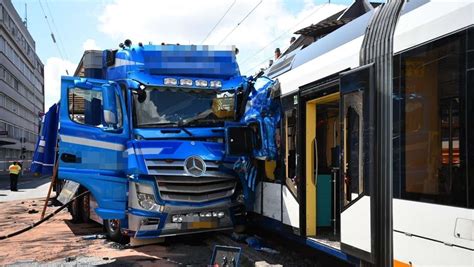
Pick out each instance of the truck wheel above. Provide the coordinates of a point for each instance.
(75, 210)
(85, 207)
(112, 227)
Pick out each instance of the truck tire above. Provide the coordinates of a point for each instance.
(79, 208)
(85, 207)
(112, 227)
(75, 210)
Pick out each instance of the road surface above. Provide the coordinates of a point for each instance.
(59, 242)
(29, 187)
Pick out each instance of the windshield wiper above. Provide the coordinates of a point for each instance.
(178, 125)
(203, 122)
(182, 127)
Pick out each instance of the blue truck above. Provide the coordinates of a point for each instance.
(154, 132)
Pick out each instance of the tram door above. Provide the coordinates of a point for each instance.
(322, 150)
(357, 162)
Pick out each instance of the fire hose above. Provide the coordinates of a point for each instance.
(49, 216)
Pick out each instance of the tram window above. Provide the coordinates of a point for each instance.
(290, 151)
(353, 156)
(433, 127)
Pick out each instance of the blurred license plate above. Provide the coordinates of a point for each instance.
(200, 225)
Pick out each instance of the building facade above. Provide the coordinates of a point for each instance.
(21, 89)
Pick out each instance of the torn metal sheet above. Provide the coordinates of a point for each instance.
(264, 109)
(68, 191)
(262, 114)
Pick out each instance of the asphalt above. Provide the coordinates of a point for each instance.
(29, 186)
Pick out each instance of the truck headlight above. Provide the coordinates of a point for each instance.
(201, 83)
(146, 198)
(146, 201)
(170, 81)
(186, 82)
(216, 84)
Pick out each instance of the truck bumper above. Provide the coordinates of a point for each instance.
(143, 224)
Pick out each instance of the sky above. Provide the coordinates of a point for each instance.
(79, 25)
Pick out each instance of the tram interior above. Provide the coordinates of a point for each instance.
(327, 149)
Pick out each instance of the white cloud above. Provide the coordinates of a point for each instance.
(53, 69)
(188, 22)
(90, 44)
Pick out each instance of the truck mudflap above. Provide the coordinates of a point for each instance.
(255, 137)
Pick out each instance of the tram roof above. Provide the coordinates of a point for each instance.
(420, 22)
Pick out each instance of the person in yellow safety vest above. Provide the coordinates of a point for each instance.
(14, 172)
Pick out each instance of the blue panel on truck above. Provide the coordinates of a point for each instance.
(110, 186)
(94, 156)
(175, 60)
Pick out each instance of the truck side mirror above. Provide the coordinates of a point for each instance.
(110, 105)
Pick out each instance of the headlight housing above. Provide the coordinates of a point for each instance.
(147, 201)
(146, 198)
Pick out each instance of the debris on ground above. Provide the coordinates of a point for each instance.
(92, 237)
(59, 242)
(254, 242)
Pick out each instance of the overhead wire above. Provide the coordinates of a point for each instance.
(52, 34)
(56, 29)
(219, 21)
(282, 35)
(240, 22)
(259, 64)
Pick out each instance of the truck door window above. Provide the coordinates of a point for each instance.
(86, 107)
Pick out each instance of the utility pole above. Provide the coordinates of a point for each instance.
(25, 21)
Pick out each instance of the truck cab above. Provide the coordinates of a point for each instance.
(143, 129)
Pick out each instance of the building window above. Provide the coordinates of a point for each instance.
(433, 123)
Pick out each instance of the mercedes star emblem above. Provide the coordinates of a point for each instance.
(195, 166)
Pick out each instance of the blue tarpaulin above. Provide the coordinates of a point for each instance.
(45, 150)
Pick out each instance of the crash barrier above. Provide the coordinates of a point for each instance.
(51, 215)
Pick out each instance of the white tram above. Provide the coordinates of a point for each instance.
(319, 192)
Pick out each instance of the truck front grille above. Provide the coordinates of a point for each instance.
(175, 184)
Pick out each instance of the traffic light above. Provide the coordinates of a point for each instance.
(23, 150)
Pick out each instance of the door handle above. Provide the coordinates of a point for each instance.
(66, 157)
(315, 147)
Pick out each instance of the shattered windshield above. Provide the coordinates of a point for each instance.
(156, 107)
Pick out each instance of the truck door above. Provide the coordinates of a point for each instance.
(93, 133)
(357, 162)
